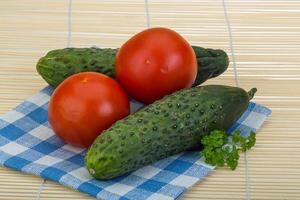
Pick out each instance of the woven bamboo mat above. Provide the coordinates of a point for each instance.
(266, 43)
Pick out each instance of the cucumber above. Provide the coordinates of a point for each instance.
(169, 126)
(59, 64)
(211, 63)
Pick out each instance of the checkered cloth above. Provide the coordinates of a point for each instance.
(28, 144)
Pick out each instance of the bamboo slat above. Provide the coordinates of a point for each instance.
(266, 40)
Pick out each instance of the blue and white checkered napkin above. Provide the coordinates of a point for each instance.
(28, 144)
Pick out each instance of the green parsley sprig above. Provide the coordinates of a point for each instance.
(221, 149)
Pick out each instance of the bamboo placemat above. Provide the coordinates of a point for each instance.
(266, 43)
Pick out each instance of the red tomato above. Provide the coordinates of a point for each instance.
(154, 63)
(84, 105)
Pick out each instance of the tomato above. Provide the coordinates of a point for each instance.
(154, 63)
(84, 105)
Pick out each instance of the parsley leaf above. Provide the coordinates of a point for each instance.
(221, 149)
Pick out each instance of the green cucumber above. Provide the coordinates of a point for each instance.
(59, 64)
(169, 126)
(211, 63)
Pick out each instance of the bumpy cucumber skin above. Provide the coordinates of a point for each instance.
(211, 63)
(59, 64)
(169, 126)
